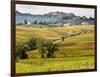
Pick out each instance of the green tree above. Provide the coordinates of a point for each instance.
(21, 53)
(22, 48)
(32, 44)
(51, 48)
(25, 22)
(47, 49)
(35, 22)
(62, 38)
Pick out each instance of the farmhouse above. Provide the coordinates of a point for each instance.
(28, 23)
(67, 24)
(85, 23)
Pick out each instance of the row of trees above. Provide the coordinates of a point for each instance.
(46, 48)
(36, 22)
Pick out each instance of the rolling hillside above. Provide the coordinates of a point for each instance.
(75, 52)
(82, 39)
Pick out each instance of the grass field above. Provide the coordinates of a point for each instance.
(75, 52)
(54, 64)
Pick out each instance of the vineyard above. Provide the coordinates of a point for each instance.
(75, 50)
(54, 64)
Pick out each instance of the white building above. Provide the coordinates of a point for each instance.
(28, 23)
(67, 24)
(85, 23)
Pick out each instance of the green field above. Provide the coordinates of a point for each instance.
(54, 64)
(75, 52)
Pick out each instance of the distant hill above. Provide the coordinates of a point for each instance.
(52, 18)
(60, 14)
(18, 13)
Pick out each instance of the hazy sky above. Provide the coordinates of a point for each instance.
(37, 9)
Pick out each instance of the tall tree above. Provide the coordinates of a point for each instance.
(25, 22)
